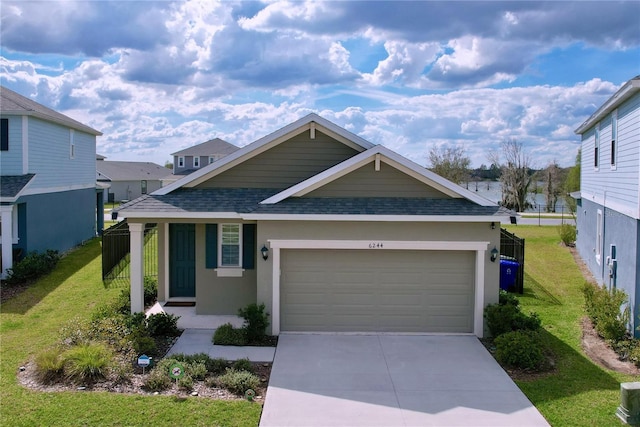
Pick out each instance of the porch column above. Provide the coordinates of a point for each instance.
(6, 212)
(478, 315)
(137, 267)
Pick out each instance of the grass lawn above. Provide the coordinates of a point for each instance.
(30, 322)
(578, 393)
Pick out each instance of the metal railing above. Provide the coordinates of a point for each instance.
(512, 246)
(116, 246)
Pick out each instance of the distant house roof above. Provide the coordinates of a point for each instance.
(209, 148)
(129, 171)
(100, 157)
(14, 103)
(12, 185)
(625, 92)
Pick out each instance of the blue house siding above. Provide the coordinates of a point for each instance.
(11, 160)
(44, 216)
(618, 230)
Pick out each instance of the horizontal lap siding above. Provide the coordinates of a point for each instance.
(396, 291)
(285, 164)
(11, 160)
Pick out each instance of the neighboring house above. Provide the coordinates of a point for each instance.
(129, 180)
(608, 213)
(329, 231)
(48, 195)
(194, 158)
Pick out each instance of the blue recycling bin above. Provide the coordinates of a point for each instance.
(508, 273)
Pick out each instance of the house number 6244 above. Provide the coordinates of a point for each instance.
(375, 245)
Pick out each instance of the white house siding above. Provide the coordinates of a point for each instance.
(50, 159)
(11, 160)
(617, 188)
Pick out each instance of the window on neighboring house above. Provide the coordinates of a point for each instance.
(596, 149)
(4, 134)
(196, 162)
(614, 137)
(180, 162)
(143, 185)
(72, 145)
(230, 238)
(212, 159)
(598, 248)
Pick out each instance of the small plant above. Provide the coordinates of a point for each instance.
(185, 383)
(238, 382)
(150, 290)
(145, 345)
(228, 335)
(157, 380)
(49, 365)
(567, 234)
(605, 309)
(86, 363)
(163, 324)
(505, 298)
(32, 266)
(243, 365)
(520, 349)
(217, 366)
(256, 322)
(112, 331)
(75, 332)
(508, 317)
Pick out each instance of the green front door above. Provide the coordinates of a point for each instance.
(182, 260)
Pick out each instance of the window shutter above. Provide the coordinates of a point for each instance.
(4, 134)
(211, 246)
(249, 246)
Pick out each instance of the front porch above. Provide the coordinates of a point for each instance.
(190, 320)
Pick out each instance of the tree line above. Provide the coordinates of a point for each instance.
(512, 167)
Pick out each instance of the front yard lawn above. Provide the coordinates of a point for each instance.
(578, 392)
(31, 321)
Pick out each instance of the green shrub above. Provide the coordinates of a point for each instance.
(32, 266)
(112, 331)
(163, 324)
(605, 309)
(567, 234)
(49, 365)
(86, 363)
(76, 331)
(121, 371)
(150, 290)
(508, 317)
(228, 335)
(256, 322)
(505, 298)
(185, 383)
(238, 382)
(243, 365)
(634, 354)
(157, 380)
(145, 345)
(217, 366)
(137, 322)
(196, 370)
(198, 365)
(520, 349)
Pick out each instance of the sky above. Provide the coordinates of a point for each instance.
(159, 76)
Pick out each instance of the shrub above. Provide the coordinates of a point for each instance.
(157, 380)
(112, 331)
(567, 234)
(508, 317)
(256, 321)
(163, 324)
(145, 345)
(604, 308)
(505, 298)
(49, 365)
(238, 382)
(75, 332)
(228, 335)
(217, 366)
(520, 349)
(32, 266)
(86, 363)
(150, 290)
(185, 383)
(196, 370)
(243, 365)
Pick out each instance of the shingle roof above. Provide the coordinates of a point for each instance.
(209, 148)
(11, 185)
(13, 103)
(130, 171)
(247, 200)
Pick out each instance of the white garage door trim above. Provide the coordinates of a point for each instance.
(479, 247)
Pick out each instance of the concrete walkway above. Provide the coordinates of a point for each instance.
(391, 380)
(194, 341)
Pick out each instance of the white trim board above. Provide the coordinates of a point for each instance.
(480, 248)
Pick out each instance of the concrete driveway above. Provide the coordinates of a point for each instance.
(391, 380)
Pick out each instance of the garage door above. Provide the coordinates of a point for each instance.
(377, 290)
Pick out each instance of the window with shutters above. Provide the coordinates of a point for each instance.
(230, 238)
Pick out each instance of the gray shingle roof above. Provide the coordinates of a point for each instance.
(130, 171)
(13, 103)
(246, 200)
(209, 148)
(11, 185)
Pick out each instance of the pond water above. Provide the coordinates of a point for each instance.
(492, 190)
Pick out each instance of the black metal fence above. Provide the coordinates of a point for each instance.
(116, 246)
(512, 247)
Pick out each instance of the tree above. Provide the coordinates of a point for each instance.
(515, 174)
(572, 183)
(168, 165)
(553, 183)
(450, 163)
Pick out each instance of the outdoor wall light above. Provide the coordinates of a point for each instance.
(494, 254)
(265, 252)
(493, 225)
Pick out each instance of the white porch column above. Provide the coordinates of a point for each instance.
(137, 267)
(478, 315)
(6, 212)
(275, 296)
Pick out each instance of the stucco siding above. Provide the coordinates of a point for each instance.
(285, 164)
(11, 160)
(367, 182)
(60, 220)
